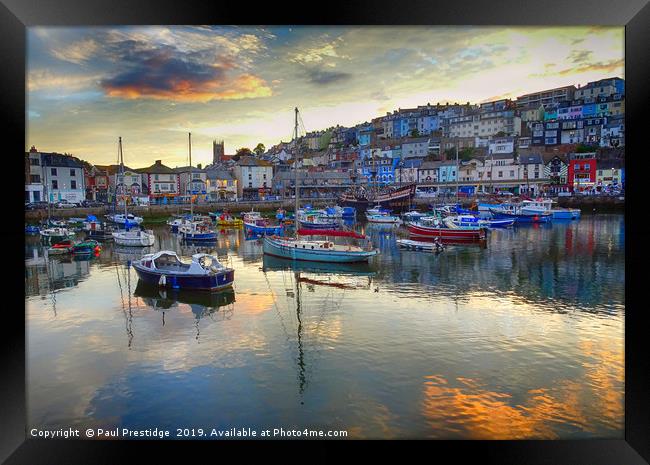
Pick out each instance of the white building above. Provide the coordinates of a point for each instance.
(63, 177)
(501, 145)
(254, 178)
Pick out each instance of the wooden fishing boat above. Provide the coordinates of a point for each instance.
(394, 198)
(165, 269)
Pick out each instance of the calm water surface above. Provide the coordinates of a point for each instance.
(522, 338)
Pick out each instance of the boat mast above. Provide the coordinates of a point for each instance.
(190, 152)
(123, 185)
(295, 168)
(457, 173)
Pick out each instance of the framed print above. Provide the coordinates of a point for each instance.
(412, 222)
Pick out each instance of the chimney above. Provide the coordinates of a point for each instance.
(158, 162)
(198, 165)
(33, 150)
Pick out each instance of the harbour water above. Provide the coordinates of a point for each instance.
(520, 338)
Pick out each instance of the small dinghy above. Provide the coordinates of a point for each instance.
(165, 269)
(61, 248)
(89, 246)
(435, 246)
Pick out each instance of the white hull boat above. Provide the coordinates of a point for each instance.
(135, 238)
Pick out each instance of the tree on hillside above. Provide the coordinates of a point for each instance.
(415, 133)
(244, 152)
(583, 148)
(259, 149)
(500, 134)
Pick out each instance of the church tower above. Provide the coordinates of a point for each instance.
(217, 152)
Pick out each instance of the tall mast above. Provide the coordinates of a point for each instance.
(457, 173)
(122, 172)
(189, 142)
(295, 168)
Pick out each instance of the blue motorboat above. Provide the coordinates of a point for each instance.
(165, 269)
(474, 220)
(255, 224)
(195, 231)
(521, 217)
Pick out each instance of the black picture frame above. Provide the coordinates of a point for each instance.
(17, 15)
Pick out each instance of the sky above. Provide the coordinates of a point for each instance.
(152, 85)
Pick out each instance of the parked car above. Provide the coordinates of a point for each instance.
(66, 204)
(91, 203)
(36, 205)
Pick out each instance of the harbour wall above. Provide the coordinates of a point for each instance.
(585, 203)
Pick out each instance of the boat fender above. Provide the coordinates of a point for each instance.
(162, 281)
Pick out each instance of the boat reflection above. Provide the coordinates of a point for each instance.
(48, 274)
(270, 263)
(202, 304)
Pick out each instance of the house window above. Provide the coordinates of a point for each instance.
(512, 173)
(73, 184)
(34, 161)
(35, 179)
(55, 184)
(156, 177)
(53, 171)
(72, 173)
(500, 174)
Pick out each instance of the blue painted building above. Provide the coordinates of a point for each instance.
(447, 172)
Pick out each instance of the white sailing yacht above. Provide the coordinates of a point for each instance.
(131, 237)
(298, 248)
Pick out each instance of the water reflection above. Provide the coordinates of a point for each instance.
(519, 338)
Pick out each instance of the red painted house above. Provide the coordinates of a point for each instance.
(582, 171)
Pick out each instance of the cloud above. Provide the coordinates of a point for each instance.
(163, 72)
(76, 52)
(320, 76)
(318, 53)
(42, 79)
(580, 56)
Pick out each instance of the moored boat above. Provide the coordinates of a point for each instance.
(298, 248)
(521, 217)
(430, 246)
(166, 269)
(197, 232)
(445, 229)
(88, 246)
(134, 237)
(55, 234)
(383, 218)
(60, 248)
(254, 223)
